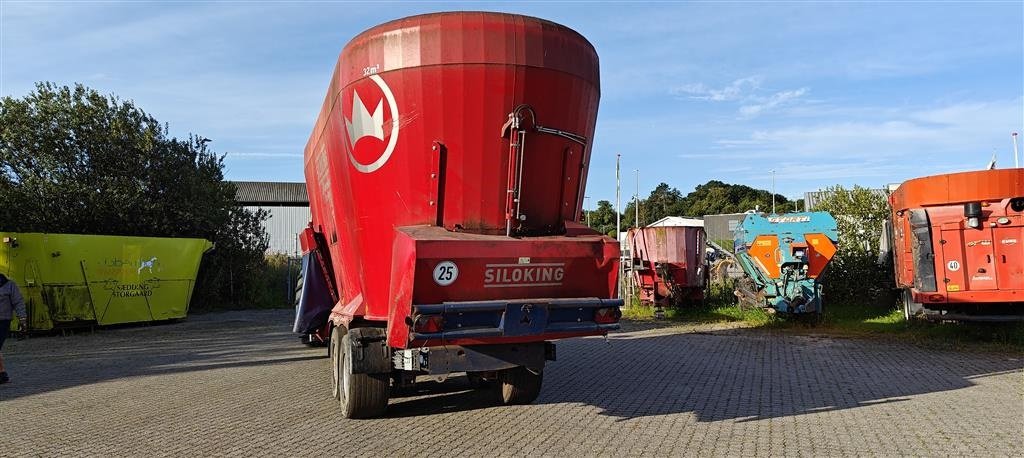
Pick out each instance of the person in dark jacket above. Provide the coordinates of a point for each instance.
(11, 304)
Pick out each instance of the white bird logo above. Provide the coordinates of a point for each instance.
(364, 124)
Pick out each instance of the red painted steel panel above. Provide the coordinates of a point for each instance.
(1009, 250)
(679, 252)
(410, 134)
(972, 265)
(950, 249)
(958, 188)
(946, 195)
(967, 260)
(494, 268)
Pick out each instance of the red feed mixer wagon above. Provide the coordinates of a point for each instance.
(958, 241)
(668, 264)
(446, 175)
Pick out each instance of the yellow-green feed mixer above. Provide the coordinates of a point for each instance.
(72, 280)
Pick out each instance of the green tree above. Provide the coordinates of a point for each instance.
(713, 197)
(860, 214)
(75, 161)
(663, 201)
(602, 219)
(629, 214)
(716, 197)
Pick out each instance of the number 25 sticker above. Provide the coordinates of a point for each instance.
(445, 273)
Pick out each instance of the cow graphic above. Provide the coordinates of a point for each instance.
(147, 264)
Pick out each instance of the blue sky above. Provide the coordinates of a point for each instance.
(825, 93)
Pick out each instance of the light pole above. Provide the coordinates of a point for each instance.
(773, 191)
(585, 211)
(636, 199)
(636, 224)
(618, 221)
(1015, 161)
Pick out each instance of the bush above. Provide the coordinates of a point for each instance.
(854, 276)
(271, 284)
(75, 161)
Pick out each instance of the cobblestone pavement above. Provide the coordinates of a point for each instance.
(239, 383)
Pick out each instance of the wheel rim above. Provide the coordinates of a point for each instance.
(335, 363)
(346, 376)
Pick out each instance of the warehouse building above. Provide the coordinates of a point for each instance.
(722, 227)
(673, 221)
(813, 199)
(287, 206)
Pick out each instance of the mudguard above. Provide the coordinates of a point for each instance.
(314, 305)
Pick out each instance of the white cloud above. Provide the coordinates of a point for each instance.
(961, 133)
(251, 155)
(737, 90)
(869, 146)
(746, 91)
(771, 102)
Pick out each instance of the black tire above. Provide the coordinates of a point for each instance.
(519, 385)
(360, 395)
(911, 310)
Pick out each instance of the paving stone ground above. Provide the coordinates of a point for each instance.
(239, 383)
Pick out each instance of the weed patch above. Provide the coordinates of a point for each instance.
(872, 321)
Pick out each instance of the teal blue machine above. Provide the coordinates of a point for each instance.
(783, 256)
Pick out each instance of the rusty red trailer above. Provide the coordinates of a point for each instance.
(958, 244)
(446, 174)
(668, 264)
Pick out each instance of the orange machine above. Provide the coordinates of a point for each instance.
(958, 245)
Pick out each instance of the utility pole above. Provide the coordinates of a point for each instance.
(618, 221)
(585, 211)
(773, 191)
(636, 224)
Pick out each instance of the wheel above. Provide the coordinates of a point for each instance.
(911, 309)
(519, 385)
(747, 294)
(360, 395)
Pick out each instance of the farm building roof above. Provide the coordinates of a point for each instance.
(678, 221)
(271, 193)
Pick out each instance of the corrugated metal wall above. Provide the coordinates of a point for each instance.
(722, 227)
(813, 198)
(283, 224)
